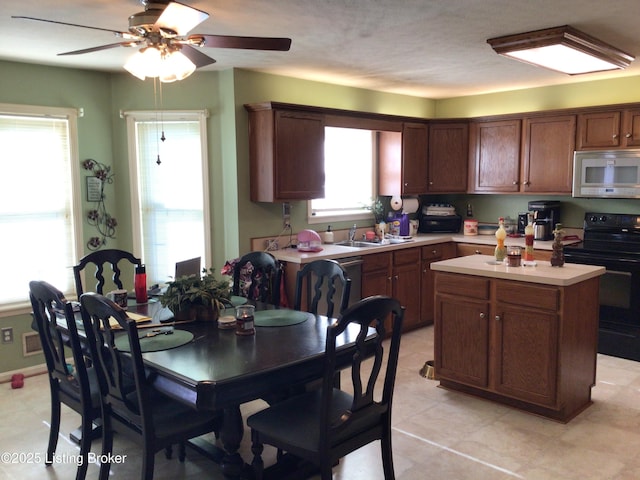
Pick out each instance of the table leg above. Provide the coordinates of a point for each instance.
(231, 436)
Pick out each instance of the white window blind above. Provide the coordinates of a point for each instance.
(37, 200)
(171, 197)
(349, 176)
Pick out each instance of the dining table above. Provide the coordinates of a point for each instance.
(213, 368)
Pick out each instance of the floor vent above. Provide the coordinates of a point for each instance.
(31, 344)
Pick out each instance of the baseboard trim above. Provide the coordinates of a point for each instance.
(5, 377)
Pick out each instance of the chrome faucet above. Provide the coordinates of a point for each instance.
(352, 233)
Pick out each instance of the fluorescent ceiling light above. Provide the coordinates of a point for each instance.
(563, 49)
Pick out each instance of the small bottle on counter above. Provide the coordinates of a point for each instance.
(501, 234)
(528, 241)
(328, 235)
(557, 253)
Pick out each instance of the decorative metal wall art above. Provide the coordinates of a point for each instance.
(98, 216)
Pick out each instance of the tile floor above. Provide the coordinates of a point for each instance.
(437, 434)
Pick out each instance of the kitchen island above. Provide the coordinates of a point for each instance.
(522, 336)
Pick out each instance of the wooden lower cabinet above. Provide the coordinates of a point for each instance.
(464, 249)
(527, 345)
(406, 275)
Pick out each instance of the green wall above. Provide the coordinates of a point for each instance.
(234, 219)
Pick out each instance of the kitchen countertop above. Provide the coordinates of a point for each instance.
(543, 272)
(330, 251)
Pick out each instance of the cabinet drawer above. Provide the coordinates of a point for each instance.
(528, 295)
(464, 249)
(377, 261)
(462, 285)
(433, 252)
(409, 255)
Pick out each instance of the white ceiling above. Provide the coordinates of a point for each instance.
(428, 48)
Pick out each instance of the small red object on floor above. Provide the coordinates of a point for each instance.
(17, 380)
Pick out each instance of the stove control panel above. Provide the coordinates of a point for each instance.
(621, 221)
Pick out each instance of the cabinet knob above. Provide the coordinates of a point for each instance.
(481, 315)
(615, 135)
(628, 135)
(497, 318)
(527, 183)
(406, 184)
(478, 252)
(430, 183)
(515, 182)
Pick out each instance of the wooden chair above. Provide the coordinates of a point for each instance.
(136, 410)
(99, 258)
(257, 276)
(324, 276)
(78, 390)
(322, 426)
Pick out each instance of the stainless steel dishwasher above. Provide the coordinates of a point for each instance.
(353, 268)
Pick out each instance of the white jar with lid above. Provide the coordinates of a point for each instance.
(471, 227)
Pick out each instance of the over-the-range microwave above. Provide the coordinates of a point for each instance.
(606, 173)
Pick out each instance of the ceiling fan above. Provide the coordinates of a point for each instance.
(162, 32)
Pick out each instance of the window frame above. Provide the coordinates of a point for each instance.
(159, 116)
(75, 204)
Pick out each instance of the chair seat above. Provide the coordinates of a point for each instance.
(72, 387)
(295, 420)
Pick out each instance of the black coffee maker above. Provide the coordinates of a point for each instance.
(546, 213)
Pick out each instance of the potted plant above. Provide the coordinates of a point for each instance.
(197, 297)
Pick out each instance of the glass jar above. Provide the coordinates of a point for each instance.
(245, 324)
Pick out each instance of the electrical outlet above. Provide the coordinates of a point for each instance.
(271, 244)
(7, 335)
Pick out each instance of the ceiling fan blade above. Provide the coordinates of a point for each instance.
(198, 58)
(101, 47)
(180, 18)
(115, 32)
(249, 43)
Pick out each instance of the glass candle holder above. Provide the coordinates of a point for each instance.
(245, 320)
(514, 256)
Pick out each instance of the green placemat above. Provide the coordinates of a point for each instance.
(157, 342)
(278, 318)
(236, 300)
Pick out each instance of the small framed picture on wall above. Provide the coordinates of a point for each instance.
(94, 189)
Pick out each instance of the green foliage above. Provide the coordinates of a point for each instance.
(190, 290)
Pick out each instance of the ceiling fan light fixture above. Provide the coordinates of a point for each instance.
(175, 66)
(168, 65)
(563, 49)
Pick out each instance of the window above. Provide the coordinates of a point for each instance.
(39, 200)
(349, 176)
(170, 199)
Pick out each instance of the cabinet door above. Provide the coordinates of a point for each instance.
(526, 354)
(548, 154)
(376, 274)
(448, 157)
(414, 158)
(462, 340)
(631, 128)
(406, 288)
(598, 130)
(431, 253)
(299, 156)
(495, 150)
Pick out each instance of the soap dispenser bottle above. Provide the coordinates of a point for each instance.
(328, 235)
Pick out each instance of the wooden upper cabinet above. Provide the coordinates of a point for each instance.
(448, 157)
(495, 155)
(286, 150)
(548, 154)
(402, 168)
(415, 139)
(608, 129)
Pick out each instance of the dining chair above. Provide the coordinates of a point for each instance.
(257, 276)
(136, 410)
(322, 426)
(99, 258)
(76, 386)
(321, 278)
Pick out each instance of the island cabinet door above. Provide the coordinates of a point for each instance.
(462, 340)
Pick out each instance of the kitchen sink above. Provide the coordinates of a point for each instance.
(357, 244)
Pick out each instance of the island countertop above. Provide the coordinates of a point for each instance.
(543, 272)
